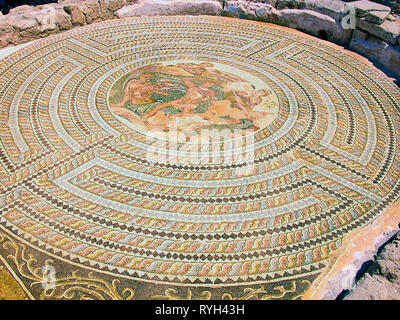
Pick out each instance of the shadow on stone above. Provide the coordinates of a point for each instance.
(323, 35)
(342, 295)
(364, 268)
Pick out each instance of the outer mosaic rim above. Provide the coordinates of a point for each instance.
(345, 262)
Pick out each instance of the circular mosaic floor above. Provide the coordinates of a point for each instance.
(188, 157)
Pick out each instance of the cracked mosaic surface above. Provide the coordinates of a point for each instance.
(79, 192)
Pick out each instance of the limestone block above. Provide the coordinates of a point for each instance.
(23, 18)
(8, 35)
(359, 34)
(266, 12)
(170, 7)
(76, 14)
(388, 31)
(372, 11)
(89, 8)
(314, 23)
(372, 49)
(331, 8)
(251, 10)
(241, 9)
(52, 17)
(109, 7)
(379, 51)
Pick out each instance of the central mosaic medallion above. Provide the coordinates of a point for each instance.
(188, 157)
(171, 100)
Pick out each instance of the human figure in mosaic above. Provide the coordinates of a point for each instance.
(190, 96)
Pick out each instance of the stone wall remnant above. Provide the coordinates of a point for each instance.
(376, 32)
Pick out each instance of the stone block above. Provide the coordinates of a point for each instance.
(331, 8)
(175, 7)
(372, 11)
(8, 35)
(90, 9)
(388, 31)
(379, 51)
(314, 23)
(359, 34)
(109, 7)
(251, 10)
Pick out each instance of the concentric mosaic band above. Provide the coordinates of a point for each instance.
(81, 113)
